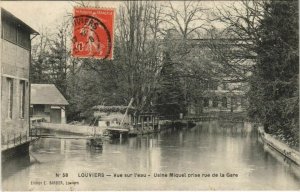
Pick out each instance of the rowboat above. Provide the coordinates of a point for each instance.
(95, 142)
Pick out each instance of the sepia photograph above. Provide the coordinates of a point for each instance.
(150, 95)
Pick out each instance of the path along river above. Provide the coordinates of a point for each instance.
(198, 157)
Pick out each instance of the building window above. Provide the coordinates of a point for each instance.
(22, 99)
(31, 111)
(213, 85)
(9, 31)
(205, 85)
(233, 101)
(47, 109)
(225, 87)
(39, 109)
(224, 102)
(215, 102)
(16, 33)
(205, 102)
(23, 38)
(243, 101)
(10, 97)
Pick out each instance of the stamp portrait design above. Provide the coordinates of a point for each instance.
(93, 33)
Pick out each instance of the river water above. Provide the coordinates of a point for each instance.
(210, 156)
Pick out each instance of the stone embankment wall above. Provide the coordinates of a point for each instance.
(280, 146)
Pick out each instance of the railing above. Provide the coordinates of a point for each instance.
(201, 118)
(14, 140)
(35, 132)
(224, 116)
(169, 117)
(35, 121)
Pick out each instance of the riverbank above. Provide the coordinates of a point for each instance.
(47, 129)
(279, 146)
(74, 129)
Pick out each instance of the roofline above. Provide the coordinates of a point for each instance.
(54, 104)
(211, 39)
(47, 103)
(32, 31)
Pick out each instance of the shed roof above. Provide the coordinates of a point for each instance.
(115, 108)
(46, 94)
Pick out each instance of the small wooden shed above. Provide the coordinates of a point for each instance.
(113, 115)
(48, 103)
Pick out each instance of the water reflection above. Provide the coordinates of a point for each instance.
(210, 147)
(15, 165)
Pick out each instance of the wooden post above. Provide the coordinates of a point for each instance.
(134, 120)
(130, 103)
(152, 118)
(14, 139)
(153, 121)
(147, 121)
(158, 125)
(120, 137)
(20, 138)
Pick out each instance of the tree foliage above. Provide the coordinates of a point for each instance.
(274, 96)
(234, 45)
(49, 59)
(138, 48)
(170, 99)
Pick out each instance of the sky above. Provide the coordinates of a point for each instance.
(46, 14)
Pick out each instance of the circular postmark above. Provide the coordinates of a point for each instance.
(91, 37)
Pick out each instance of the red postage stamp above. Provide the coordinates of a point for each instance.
(93, 33)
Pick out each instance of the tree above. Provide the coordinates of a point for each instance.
(234, 46)
(50, 57)
(185, 24)
(170, 95)
(58, 60)
(187, 20)
(138, 52)
(39, 54)
(274, 96)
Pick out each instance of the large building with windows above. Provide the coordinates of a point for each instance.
(15, 64)
(223, 96)
(217, 88)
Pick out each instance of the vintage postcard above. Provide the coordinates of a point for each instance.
(149, 95)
